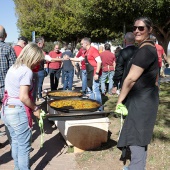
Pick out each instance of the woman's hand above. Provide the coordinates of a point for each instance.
(118, 103)
(37, 113)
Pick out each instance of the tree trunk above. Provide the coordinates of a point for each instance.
(165, 45)
(162, 37)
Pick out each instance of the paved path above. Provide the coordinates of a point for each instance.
(53, 155)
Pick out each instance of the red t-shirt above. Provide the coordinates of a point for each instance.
(17, 50)
(79, 54)
(92, 53)
(57, 64)
(108, 58)
(37, 67)
(160, 52)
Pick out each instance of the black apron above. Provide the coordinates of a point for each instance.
(90, 72)
(142, 105)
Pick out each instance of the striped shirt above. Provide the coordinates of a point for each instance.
(7, 59)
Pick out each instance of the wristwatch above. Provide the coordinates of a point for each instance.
(97, 73)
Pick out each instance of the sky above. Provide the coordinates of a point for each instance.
(8, 20)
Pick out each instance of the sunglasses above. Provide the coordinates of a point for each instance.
(140, 28)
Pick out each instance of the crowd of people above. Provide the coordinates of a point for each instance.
(133, 69)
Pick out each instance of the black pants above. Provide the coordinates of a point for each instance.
(54, 78)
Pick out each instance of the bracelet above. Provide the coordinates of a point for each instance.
(36, 108)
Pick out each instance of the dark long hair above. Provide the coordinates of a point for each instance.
(146, 20)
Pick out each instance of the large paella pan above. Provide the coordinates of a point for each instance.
(56, 94)
(75, 104)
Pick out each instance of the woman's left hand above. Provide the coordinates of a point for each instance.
(37, 113)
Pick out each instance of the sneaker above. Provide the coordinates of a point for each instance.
(85, 96)
(125, 168)
(2, 133)
(41, 100)
(44, 91)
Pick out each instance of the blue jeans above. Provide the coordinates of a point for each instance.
(103, 79)
(95, 93)
(40, 82)
(68, 79)
(84, 80)
(47, 70)
(62, 76)
(17, 123)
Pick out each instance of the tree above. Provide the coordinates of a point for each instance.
(157, 10)
(67, 20)
(70, 20)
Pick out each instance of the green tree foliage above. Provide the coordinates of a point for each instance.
(70, 20)
(157, 10)
(49, 46)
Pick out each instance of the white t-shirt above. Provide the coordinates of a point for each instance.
(15, 78)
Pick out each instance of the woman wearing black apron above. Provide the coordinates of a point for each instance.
(141, 96)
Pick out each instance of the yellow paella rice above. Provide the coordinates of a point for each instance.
(75, 104)
(64, 93)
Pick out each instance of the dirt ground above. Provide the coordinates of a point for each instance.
(107, 156)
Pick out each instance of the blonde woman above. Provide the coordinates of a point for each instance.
(18, 106)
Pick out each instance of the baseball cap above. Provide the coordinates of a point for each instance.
(24, 39)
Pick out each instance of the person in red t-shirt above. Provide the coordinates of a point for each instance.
(83, 70)
(55, 67)
(22, 42)
(108, 67)
(161, 54)
(93, 65)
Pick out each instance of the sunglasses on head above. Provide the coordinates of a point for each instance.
(140, 28)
